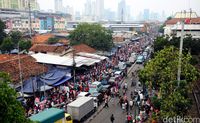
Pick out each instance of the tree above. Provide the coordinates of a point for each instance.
(52, 40)
(189, 44)
(161, 73)
(7, 45)
(11, 111)
(16, 36)
(93, 35)
(2, 33)
(24, 45)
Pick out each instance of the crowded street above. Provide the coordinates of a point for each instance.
(120, 115)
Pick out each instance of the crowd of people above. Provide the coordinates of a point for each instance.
(67, 92)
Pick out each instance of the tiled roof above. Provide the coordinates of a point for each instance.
(48, 48)
(83, 48)
(118, 38)
(175, 20)
(41, 39)
(64, 41)
(29, 67)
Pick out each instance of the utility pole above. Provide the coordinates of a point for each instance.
(180, 53)
(74, 66)
(30, 22)
(20, 72)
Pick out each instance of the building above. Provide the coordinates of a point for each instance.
(19, 4)
(18, 20)
(146, 14)
(58, 6)
(121, 10)
(99, 9)
(192, 27)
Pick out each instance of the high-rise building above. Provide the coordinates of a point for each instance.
(88, 8)
(99, 9)
(19, 4)
(58, 6)
(146, 14)
(121, 12)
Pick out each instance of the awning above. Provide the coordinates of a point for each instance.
(66, 78)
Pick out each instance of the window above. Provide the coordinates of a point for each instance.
(68, 118)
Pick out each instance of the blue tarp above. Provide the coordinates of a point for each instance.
(33, 84)
(52, 77)
(63, 80)
(29, 84)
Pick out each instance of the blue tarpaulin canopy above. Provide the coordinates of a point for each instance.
(55, 77)
(34, 84)
(63, 80)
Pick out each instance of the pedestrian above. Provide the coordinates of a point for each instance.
(131, 104)
(106, 103)
(112, 118)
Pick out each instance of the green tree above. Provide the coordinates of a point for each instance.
(93, 35)
(161, 73)
(24, 45)
(52, 40)
(2, 33)
(16, 36)
(160, 43)
(7, 45)
(11, 111)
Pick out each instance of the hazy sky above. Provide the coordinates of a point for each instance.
(169, 6)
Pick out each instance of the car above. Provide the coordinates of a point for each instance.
(95, 87)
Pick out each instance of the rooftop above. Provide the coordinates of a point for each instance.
(29, 67)
(83, 48)
(176, 20)
(48, 48)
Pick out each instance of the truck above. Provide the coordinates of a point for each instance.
(81, 108)
(52, 115)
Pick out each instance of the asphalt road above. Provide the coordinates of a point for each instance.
(103, 116)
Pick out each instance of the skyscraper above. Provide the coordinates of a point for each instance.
(146, 14)
(121, 12)
(58, 5)
(88, 8)
(99, 9)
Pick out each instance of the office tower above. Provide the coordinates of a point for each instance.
(58, 5)
(99, 9)
(121, 11)
(146, 14)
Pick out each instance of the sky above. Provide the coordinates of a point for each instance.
(137, 6)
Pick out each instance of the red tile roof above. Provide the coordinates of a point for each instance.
(84, 48)
(41, 39)
(29, 67)
(48, 48)
(175, 20)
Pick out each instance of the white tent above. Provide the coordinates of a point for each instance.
(64, 60)
(89, 55)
